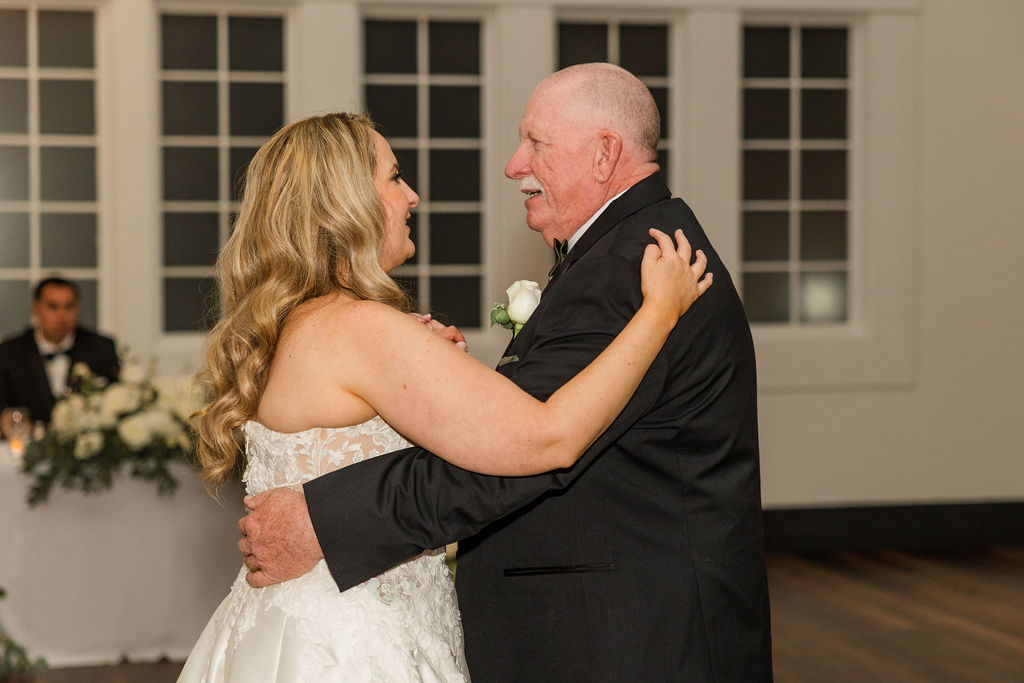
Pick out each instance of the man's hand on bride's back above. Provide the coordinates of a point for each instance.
(278, 542)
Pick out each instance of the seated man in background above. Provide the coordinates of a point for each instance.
(35, 366)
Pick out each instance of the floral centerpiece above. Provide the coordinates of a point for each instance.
(139, 423)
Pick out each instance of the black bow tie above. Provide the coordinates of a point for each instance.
(561, 249)
(50, 356)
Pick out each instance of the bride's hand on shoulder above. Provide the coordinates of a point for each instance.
(668, 280)
(450, 332)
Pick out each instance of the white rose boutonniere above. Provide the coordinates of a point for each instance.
(523, 298)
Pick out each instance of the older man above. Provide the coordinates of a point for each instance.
(644, 562)
(35, 365)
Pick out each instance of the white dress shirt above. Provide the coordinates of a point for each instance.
(58, 368)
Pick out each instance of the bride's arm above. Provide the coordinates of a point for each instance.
(477, 419)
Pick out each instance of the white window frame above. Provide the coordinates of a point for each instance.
(35, 140)
(323, 67)
(876, 347)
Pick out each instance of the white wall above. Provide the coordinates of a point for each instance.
(957, 431)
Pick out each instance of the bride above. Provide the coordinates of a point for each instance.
(315, 364)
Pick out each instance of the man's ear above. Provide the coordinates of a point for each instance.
(607, 154)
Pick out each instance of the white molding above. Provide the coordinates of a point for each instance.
(324, 58)
(128, 41)
(710, 134)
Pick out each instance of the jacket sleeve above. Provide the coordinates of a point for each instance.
(379, 512)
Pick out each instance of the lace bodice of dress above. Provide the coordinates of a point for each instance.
(276, 459)
(400, 626)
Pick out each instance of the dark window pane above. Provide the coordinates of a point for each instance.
(256, 108)
(240, 158)
(13, 37)
(765, 236)
(823, 114)
(456, 300)
(67, 107)
(823, 235)
(765, 174)
(190, 239)
(68, 240)
(190, 108)
(189, 42)
(455, 238)
(454, 111)
(15, 306)
(408, 162)
(582, 43)
(455, 174)
(454, 47)
(765, 114)
(411, 285)
(13, 172)
(823, 53)
(14, 238)
(190, 173)
(660, 96)
(823, 297)
(393, 108)
(823, 174)
(190, 304)
(65, 39)
(68, 173)
(643, 50)
(766, 297)
(88, 306)
(14, 112)
(765, 52)
(390, 47)
(255, 44)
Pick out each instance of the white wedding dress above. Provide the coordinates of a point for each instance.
(400, 626)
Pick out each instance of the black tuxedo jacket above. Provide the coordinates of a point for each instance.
(23, 379)
(644, 561)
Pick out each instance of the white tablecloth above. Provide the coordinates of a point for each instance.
(94, 578)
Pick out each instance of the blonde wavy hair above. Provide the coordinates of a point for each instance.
(311, 224)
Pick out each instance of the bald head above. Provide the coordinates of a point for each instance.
(613, 98)
(589, 133)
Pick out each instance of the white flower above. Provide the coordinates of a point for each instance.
(181, 396)
(523, 298)
(133, 373)
(88, 445)
(68, 415)
(118, 399)
(80, 370)
(135, 431)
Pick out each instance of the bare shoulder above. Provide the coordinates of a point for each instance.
(341, 327)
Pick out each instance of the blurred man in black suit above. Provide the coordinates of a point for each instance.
(35, 366)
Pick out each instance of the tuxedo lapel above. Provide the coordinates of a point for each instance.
(648, 191)
(37, 384)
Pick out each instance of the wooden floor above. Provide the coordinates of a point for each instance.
(891, 616)
(882, 617)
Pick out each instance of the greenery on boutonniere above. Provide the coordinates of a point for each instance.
(14, 659)
(139, 424)
(523, 298)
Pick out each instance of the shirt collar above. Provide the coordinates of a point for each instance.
(579, 233)
(47, 346)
